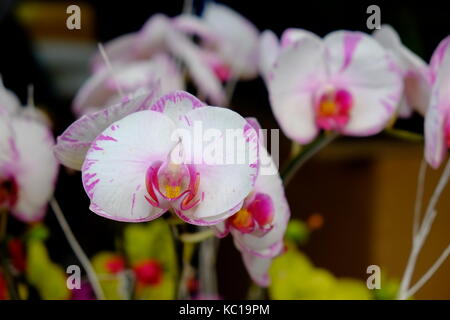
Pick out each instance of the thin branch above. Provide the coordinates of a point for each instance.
(197, 236)
(84, 260)
(429, 273)
(419, 196)
(109, 66)
(422, 233)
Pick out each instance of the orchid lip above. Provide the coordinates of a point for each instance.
(256, 216)
(333, 108)
(172, 183)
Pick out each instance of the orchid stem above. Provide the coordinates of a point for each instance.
(429, 273)
(207, 268)
(421, 236)
(110, 67)
(307, 153)
(84, 260)
(197, 236)
(419, 196)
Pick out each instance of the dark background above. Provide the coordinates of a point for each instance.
(421, 25)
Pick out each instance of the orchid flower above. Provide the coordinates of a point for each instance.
(437, 123)
(258, 228)
(414, 69)
(229, 35)
(106, 86)
(159, 35)
(143, 165)
(28, 169)
(73, 144)
(345, 83)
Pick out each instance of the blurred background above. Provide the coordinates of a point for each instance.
(362, 189)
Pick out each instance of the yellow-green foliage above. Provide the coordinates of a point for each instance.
(294, 277)
(47, 277)
(153, 241)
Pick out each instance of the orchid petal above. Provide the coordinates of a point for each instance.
(176, 104)
(292, 35)
(271, 243)
(193, 25)
(114, 172)
(35, 168)
(438, 57)
(268, 52)
(239, 43)
(414, 69)
(258, 268)
(74, 142)
(297, 73)
(202, 75)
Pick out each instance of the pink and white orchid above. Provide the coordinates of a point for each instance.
(258, 228)
(135, 78)
(28, 169)
(160, 35)
(414, 69)
(142, 165)
(229, 35)
(437, 119)
(346, 83)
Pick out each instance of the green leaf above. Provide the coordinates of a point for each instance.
(350, 289)
(152, 240)
(47, 277)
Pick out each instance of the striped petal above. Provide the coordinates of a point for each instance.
(114, 172)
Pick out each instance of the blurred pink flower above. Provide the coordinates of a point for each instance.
(28, 169)
(160, 35)
(437, 119)
(345, 82)
(227, 34)
(105, 87)
(416, 80)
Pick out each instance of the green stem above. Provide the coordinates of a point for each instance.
(308, 151)
(197, 236)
